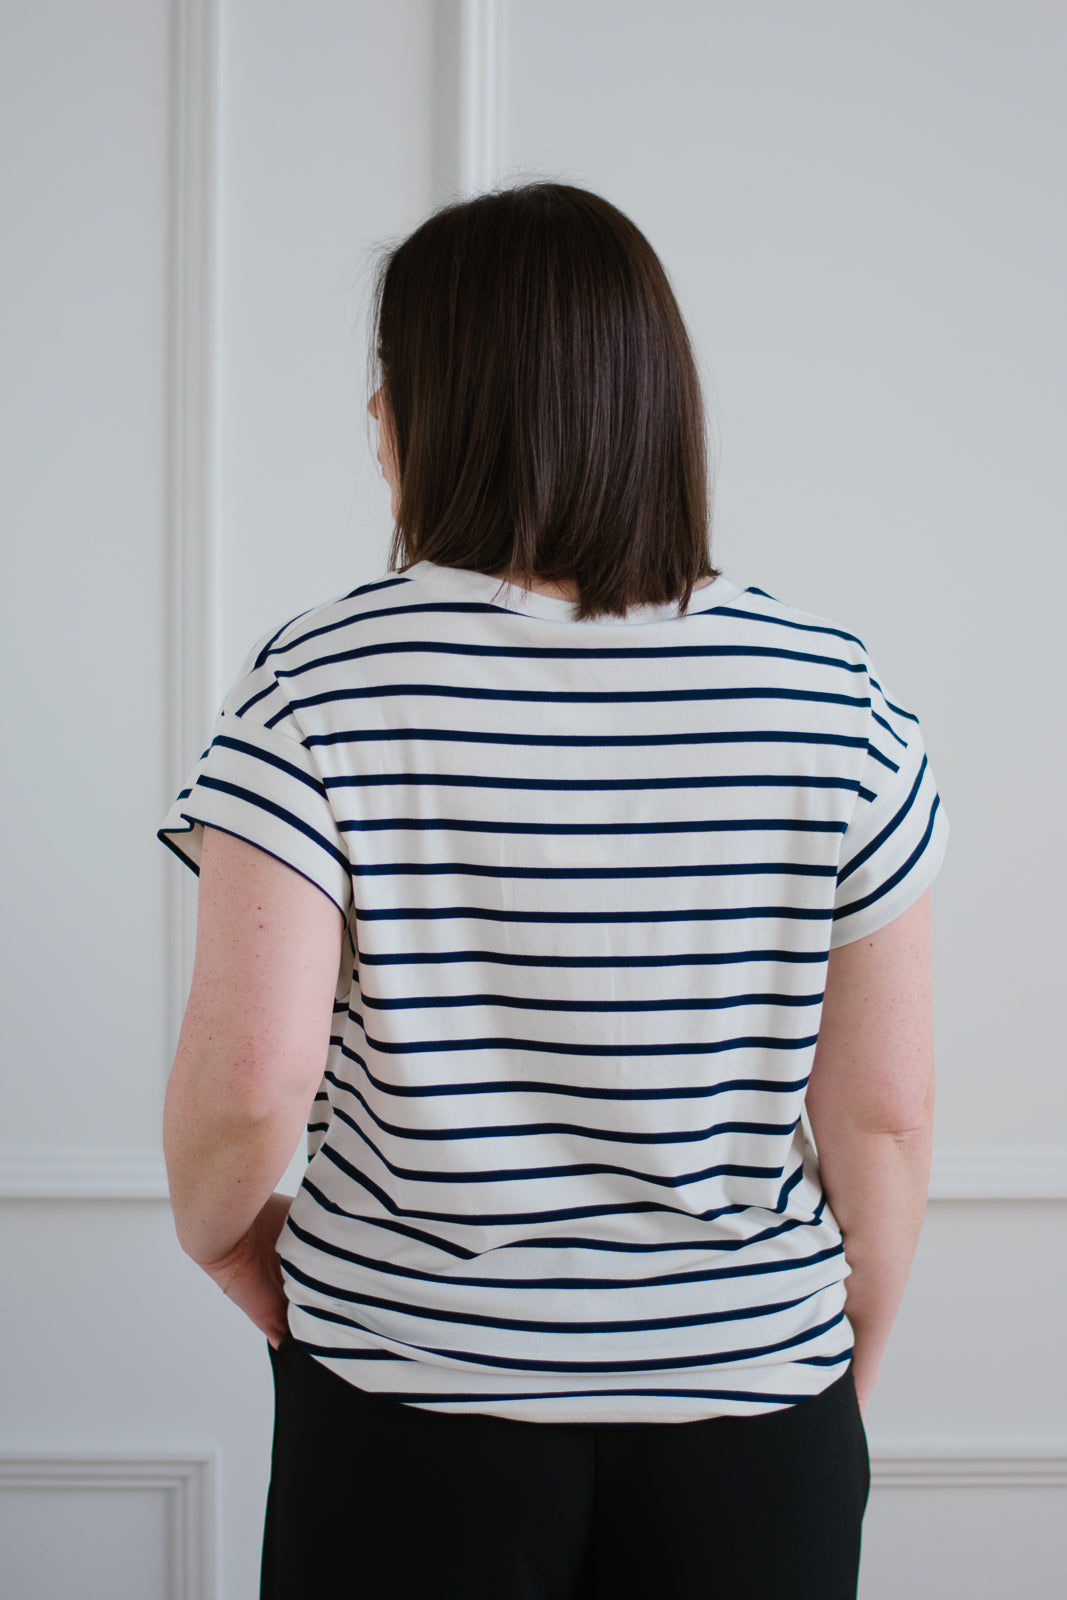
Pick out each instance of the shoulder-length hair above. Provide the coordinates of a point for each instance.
(546, 408)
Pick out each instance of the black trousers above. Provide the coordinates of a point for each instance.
(370, 1498)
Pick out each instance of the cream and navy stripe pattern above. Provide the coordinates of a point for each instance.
(591, 873)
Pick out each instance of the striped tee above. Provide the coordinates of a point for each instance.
(590, 873)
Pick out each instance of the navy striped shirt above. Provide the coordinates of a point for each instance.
(591, 873)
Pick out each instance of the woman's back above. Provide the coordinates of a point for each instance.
(591, 873)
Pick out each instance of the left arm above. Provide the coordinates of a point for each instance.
(870, 1101)
(249, 1062)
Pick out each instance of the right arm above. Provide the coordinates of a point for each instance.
(870, 1101)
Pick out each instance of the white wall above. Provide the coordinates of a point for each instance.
(185, 464)
(861, 209)
(326, 153)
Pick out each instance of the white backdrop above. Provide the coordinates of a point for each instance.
(861, 208)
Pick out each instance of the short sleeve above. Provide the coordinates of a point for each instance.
(262, 785)
(895, 841)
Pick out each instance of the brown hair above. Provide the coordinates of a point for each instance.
(546, 408)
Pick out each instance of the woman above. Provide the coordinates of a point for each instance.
(548, 882)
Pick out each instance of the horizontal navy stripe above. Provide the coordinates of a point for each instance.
(224, 742)
(582, 829)
(697, 1361)
(569, 1047)
(470, 869)
(437, 1242)
(623, 1247)
(359, 619)
(591, 918)
(601, 697)
(394, 581)
(785, 622)
(388, 1224)
(696, 958)
(364, 590)
(555, 1171)
(529, 1130)
(584, 785)
(732, 780)
(511, 1219)
(609, 1007)
(665, 1364)
(578, 654)
(658, 1280)
(589, 1091)
(539, 1326)
(569, 741)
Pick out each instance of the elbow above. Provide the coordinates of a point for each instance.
(907, 1119)
(215, 1100)
(902, 1118)
(910, 1129)
(911, 1119)
(903, 1112)
(914, 1140)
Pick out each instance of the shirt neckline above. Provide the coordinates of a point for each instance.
(482, 587)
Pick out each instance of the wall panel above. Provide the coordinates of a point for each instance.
(84, 329)
(132, 1526)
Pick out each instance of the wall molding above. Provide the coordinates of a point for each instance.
(999, 1174)
(974, 1176)
(479, 91)
(193, 415)
(979, 1467)
(83, 1175)
(189, 1482)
